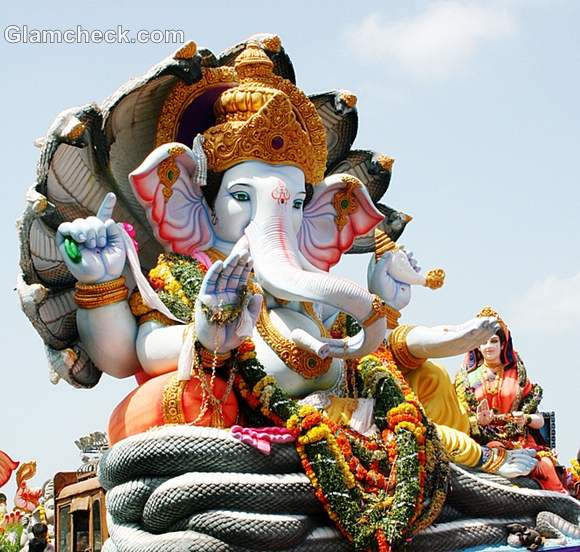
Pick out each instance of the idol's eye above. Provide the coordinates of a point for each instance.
(241, 196)
(298, 204)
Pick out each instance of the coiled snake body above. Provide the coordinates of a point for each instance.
(181, 488)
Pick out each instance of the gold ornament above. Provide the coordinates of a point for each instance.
(496, 383)
(344, 202)
(209, 358)
(169, 172)
(76, 132)
(495, 460)
(379, 310)
(92, 296)
(182, 95)
(489, 311)
(386, 162)
(265, 118)
(348, 98)
(398, 345)
(171, 401)
(187, 51)
(434, 279)
(383, 243)
(303, 362)
(272, 43)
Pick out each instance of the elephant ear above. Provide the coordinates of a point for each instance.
(340, 210)
(168, 186)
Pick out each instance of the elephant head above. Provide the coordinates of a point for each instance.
(261, 207)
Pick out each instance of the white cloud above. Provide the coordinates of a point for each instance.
(437, 41)
(550, 306)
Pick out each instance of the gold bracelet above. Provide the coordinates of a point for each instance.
(400, 350)
(379, 310)
(495, 461)
(92, 296)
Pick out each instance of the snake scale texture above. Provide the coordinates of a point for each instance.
(181, 488)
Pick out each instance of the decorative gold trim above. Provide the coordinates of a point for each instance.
(182, 94)
(495, 460)
(272, 43)
(344, 201)
(386, 162)
(215, 255)
(92, 296)
(383, 243)
(348, 98)
(76, 132)
(171, 401)
(434, 279)
(305, 363)
(169, 172)
(211, 359)
(379, 310)
(490, 311)
(400, 350)
(266, 118)
(187, 51)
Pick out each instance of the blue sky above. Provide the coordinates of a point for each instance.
(476, 101)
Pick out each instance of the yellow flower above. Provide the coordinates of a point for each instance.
(265, 381)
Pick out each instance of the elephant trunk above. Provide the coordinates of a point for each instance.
(279, 269)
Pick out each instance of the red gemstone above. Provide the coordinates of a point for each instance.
(277, 142)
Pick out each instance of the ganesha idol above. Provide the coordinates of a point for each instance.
(254, 193)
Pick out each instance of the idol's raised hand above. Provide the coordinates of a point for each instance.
(93, 248)
(226, 311)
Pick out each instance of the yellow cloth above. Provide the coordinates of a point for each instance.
(433, 387)
(340, 410)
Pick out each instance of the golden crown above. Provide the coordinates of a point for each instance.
(490, 311)
(265, 118)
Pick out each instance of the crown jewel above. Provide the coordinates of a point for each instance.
(265, 118)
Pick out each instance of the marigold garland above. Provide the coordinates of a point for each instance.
(378, 491)
(374, 489)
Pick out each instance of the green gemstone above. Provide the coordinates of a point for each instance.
(344, 203)
(312, 362)
(170, 175)
(72, 250)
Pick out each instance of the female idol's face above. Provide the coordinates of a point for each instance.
(491, 350)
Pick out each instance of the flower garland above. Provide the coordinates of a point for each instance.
(177, 280)
(572, 478)
(378, 491)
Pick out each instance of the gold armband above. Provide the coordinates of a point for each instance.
(92, 296)
(401, 354)
(381, 310)
(495, 460)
